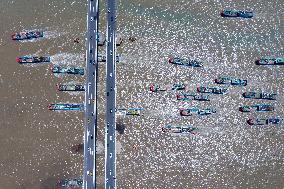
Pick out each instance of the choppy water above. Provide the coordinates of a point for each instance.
(226, 153)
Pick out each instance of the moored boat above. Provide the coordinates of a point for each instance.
(66, 106)
(68, 70)
(71, 87)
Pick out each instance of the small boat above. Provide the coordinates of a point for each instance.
(27, 35)
(68, 70)
(201, 97)
(191, 111)
(185, 62)
(178, 86)
(70, 183)
(257, 121)
(276, 121)
(71, 87)
(239, 82)
(182, 96)
(156, 88)
(223, 80)
(212, 90)
(131, 111)
(232, 81)
(237, 13)
(260, 95)
(32, 59)
(185, 96)
(257, 107)
(66, 106)
(269, 121)
(179, 129)
(270, 61)
(192, 96)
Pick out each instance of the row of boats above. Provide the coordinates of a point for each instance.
(202, 94)
(28, 35)
(195, 63)
(43, 59)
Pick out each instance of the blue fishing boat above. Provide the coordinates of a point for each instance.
(260, 95)
(178, 86)
(237, 13)
(270, 61)
(264, 121)
(66, 106)
(212, 90)
(27, 35)
(257, 107)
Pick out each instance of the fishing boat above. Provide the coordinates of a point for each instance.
(68, 70)
(27, 35)
(257, 107)
(178, 129)
(156, 88)
(212, 90)
(270, 61)
(260, 95)
(236, 13)
(185, 62)
(71, 87)
(198, 111)
(32, 59)
(66, 106)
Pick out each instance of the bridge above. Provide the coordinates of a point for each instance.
(90, 132)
